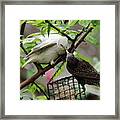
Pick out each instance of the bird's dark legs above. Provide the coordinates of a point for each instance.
(81, 94)
(79, 91)
(84, 89)
(82, 82)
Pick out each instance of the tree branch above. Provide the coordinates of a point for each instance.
(75, 39)
(40, 72)
(39, 67)
(69, 38)
(82, 38)
(78, 42)
(41, 90)
(57, 71)
(61, 58)
(22, 29)
(21, 45)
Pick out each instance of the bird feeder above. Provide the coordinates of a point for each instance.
(64, 89)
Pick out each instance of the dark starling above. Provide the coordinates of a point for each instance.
(82, 71)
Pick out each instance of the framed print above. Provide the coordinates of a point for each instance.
(60, 59)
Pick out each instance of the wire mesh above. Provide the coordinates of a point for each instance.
(64, 89)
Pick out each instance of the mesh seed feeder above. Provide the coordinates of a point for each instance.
(66, 88)
(73, 87)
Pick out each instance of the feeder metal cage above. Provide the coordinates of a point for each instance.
(64, 89)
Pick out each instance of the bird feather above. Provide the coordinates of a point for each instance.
(40, 49)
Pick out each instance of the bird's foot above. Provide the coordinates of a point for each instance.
(76, 96)
(52, 62)
(83, 92)
(80, 96)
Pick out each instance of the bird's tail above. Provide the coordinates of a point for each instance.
(90, 81)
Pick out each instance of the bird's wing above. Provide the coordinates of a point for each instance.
(84, 69)
(40, 48)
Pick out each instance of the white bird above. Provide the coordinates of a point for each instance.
(48, 50)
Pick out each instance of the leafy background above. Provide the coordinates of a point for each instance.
(34, 33)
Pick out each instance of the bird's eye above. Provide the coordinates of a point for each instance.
(62, 46)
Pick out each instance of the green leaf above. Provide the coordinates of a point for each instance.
(27, 40)
(22, 21)
(73, 22)
(91, 39)
(72, 33)
(84, 23)
(43, 31)
(41, 86)
(36, 23)
(95, 22)
(44, 65)
(24, 91)
(22, 61)
(30, 72)
(29, 43)
(32, 39)
(32, 44)
(48, 31)
(79, 56)
(33, 34)
(94, 36)
(41, 98)
(37, 41)
(60, 70)
(38, 89)
(32, 88)
(29, 46)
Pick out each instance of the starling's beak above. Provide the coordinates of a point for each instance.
(68, 54)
